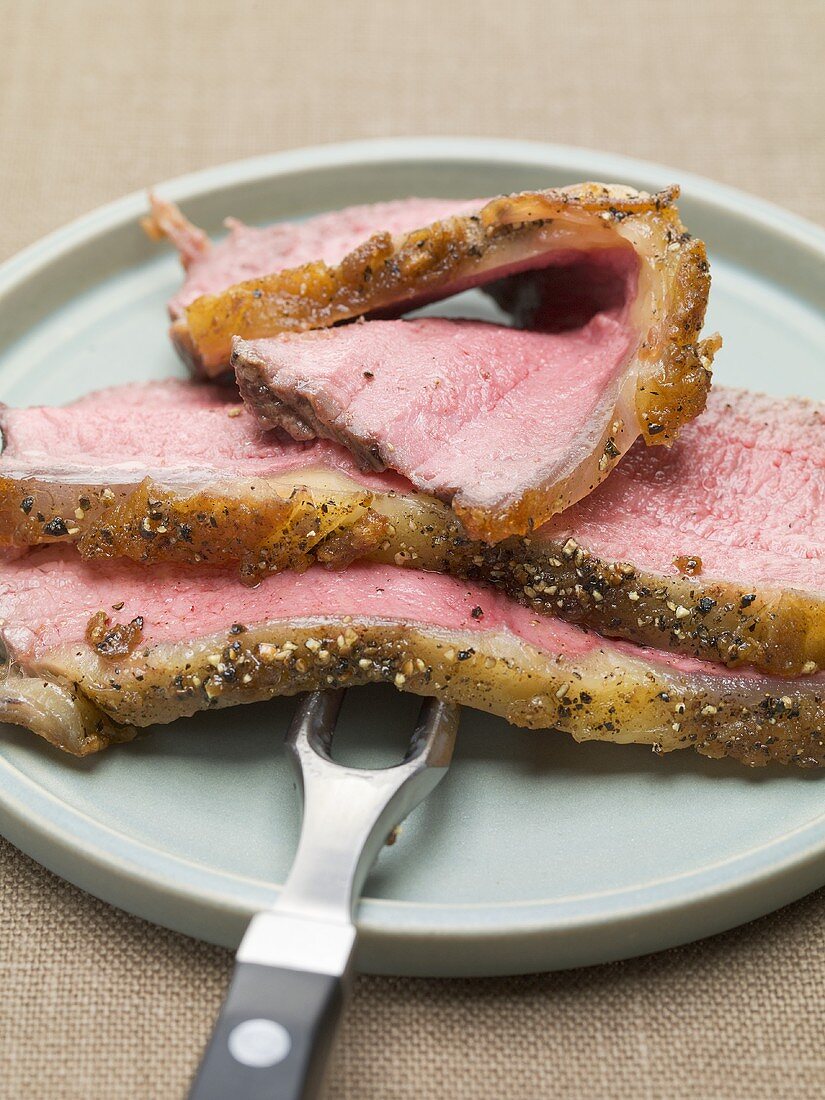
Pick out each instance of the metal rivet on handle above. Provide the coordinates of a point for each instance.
(259, 1043)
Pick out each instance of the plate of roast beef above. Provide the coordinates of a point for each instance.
(533, 430)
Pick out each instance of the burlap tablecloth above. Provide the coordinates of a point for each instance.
(97, 99)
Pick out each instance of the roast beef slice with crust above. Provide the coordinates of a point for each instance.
(529, 250)
(94, 650)
(713, 548)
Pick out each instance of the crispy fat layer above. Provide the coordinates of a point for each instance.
(603, 694)
(59, 712)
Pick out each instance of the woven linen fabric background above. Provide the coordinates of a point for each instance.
(98, 99)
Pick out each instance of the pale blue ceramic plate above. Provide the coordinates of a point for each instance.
(534, 853)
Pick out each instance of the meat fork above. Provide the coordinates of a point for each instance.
(293, 967)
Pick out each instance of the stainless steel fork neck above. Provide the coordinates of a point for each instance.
(310, 926)
(348, 815)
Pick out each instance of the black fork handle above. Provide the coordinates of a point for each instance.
(273, 1036)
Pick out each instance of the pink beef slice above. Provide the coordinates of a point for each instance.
(509, 425)
(715, 546)
(171, 431)
(555, 261)
(741, 493)
(248, 251)
(197, 640)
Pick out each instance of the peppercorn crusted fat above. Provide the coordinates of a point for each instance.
(202, 641)
(171, 471)
(250, 251)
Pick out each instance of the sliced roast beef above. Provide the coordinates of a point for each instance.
(250, 252)
(713, 548)
(508, 426)
(725, 534)
(139, 647)
(173, 471)
(552, 259)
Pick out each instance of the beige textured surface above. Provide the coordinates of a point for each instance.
(97, 99)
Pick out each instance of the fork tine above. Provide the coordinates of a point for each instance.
(433, 738)
(296, 957)
(313, 722)
(431, 743)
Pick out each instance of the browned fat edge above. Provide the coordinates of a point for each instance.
(35, 510)
(781, 633)
(614, 199)
(383, 271)
(677, 392)
(599, 699)
(259, 532)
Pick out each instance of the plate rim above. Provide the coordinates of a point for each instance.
(99, 220)
(797, 858)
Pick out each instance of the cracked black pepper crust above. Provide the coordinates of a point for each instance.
(244, 523)
(779, 632)
(603, 694)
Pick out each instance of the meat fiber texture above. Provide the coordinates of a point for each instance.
(713, 548)
(510, 426)
(170, 429)
(96, 651)
(733, 519)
